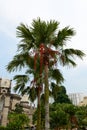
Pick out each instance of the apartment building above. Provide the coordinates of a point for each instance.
(76, 98)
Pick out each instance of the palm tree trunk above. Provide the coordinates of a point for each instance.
(46, 98)
(39, 111)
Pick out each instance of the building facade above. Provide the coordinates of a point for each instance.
(76, 98)
(9, 100)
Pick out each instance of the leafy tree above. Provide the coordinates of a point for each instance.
(3, 128)
(81, 114)
(63, 116)
(40, 39)
(58, 119)
(59, 94)
(70, 109)
(17, 121)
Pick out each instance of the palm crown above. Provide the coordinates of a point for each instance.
(46, 33)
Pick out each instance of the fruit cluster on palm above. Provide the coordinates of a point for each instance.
(40, 69)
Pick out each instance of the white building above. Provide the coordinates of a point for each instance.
(76, 98)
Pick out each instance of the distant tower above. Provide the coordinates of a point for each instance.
(5, 87)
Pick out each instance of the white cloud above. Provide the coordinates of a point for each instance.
(22, 10)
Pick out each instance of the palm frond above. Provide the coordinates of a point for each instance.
(69, 62)
(39, 31)
(21, 78)
(56, 75)
(73, 52)
(33, 93)
(26, 36)
(23, 48)
(24, 32)
(52, 27)
(21, 81)
(43, 31)
(68, 56)
(63, 35)
(30, 71)
(19, 61)
(26, 91)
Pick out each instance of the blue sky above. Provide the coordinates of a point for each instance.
(67, 12)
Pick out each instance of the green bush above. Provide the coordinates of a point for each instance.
(3, 128)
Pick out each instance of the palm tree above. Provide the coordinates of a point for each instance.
(53, 51)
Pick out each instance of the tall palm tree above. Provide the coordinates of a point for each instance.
(54, 51)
